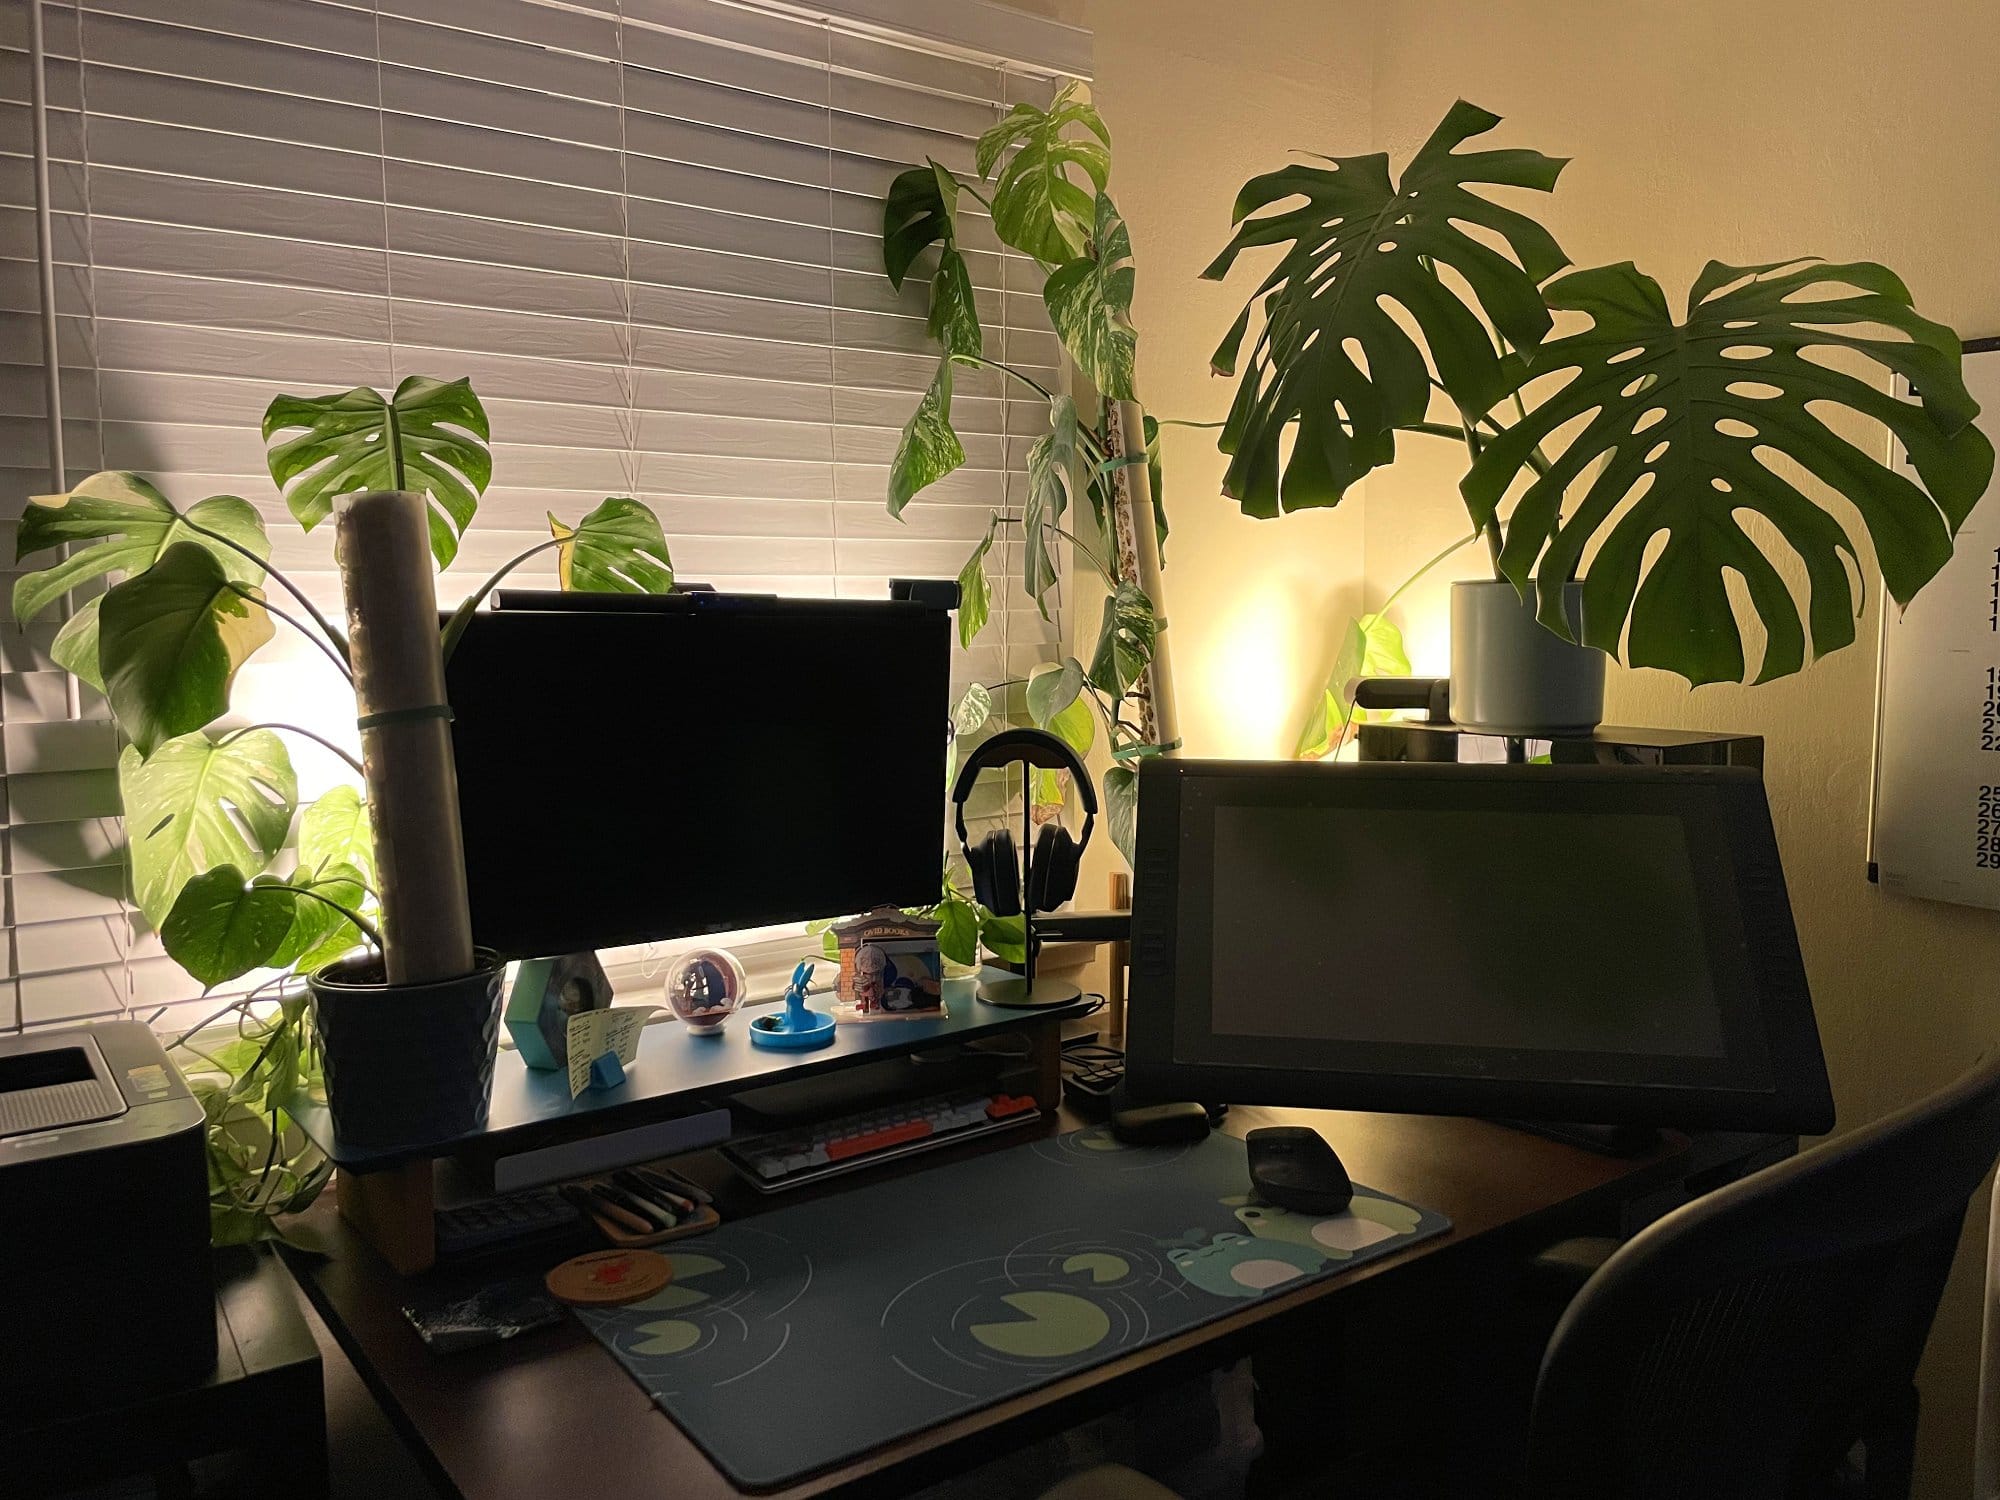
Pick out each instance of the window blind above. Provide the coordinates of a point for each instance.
(648, 232)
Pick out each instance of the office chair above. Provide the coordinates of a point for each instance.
(1750, 1344)
(1746, 1346)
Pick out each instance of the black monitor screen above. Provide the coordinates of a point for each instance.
(707, 764)
(1539, 932)
(1566, 943)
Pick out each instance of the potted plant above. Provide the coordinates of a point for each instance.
(210, 809)
(1621, 468)
(1042, 177)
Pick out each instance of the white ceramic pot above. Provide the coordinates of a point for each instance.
(1512, 675)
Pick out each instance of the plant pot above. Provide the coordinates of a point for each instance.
(1512, 675)
(408, 1064)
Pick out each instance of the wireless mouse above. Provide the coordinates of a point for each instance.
(1293, 1167)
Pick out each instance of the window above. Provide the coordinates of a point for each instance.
(648, 233)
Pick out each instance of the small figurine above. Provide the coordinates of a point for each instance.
(704, 988)
(795, 1028)
(890, 967)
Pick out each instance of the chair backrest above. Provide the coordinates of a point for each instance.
(1734, 1348)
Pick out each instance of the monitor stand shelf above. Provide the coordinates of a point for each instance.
(671, 1101)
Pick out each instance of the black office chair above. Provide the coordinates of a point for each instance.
(1760, 1343)
(1750, 1345)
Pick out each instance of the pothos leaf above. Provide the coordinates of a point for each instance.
(170, 640)
(1090, 304)
(617, 549)
(1357, 241)
(1371, 646)
(1121, 807)
(1692, 426)
(1151, 428)
(430, 436)
(958, 929)
(1038, 207)
(1053, 688)
(975, 595)
(1075, 726)
(1051, 461)
(973, 710)
(929, 449)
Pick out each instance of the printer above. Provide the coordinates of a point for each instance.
(106, 1288)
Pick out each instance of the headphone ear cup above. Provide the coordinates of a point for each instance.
(1003, 873)
(1052, 872)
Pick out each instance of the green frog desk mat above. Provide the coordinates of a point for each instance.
(797, 1339)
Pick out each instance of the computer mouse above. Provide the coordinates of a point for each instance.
(1293, 1167)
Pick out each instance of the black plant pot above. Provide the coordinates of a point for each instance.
(407, 1064)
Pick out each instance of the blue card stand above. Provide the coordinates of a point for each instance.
(606, 1071)
(794, 1029)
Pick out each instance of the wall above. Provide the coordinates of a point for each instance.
(1703, 129)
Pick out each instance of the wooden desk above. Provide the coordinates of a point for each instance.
(525, 1421)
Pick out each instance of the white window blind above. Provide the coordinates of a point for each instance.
(649, 234)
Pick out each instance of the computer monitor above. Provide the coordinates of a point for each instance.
(1609, 944)
(635, 769)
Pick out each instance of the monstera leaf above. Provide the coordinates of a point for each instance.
(196, 803)
(223, 924)
(431, 436)
(170, 640)
(1051, 461)
(1124, 640)
(1038, 207)
(1090, 304)
(975, 594)
(320, 932)
(334, 832)
(1692, 429)
(922, 210)
(118, 523)
(616, 549)
(1330, 357)
(1052, 688)
(929, 449)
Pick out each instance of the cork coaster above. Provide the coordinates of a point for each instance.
(609, 1278)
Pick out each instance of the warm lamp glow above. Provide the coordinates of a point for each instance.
(1252, 681)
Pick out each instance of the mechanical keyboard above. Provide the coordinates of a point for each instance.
(806, 1153)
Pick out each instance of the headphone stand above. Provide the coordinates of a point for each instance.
(1057, 859)
(1027, 992)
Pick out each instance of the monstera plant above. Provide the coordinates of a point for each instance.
(1650, 454)
(210, 810)
(1042, 178)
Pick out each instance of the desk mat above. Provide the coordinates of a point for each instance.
(803, 1337)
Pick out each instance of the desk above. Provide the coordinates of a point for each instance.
(526, 1421)
(264, 1394)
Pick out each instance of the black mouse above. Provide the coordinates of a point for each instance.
(1293, 1167)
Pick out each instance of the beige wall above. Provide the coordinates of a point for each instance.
(1749, 131)
(1743, 130)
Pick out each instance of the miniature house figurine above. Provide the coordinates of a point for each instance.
(889, 966)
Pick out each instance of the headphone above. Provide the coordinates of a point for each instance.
(1055, 860)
